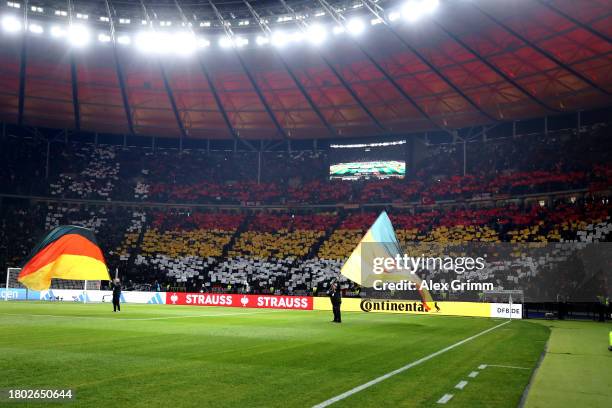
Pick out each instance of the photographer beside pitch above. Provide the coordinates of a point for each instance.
(335, 296)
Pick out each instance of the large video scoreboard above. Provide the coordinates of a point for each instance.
(367, 170)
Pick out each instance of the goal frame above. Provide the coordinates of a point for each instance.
(8, 287)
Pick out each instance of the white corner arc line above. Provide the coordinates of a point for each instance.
(445, 398)
(404, 368)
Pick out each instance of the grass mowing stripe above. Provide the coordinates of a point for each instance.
(404, 368)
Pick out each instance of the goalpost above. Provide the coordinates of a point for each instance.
(12, 282)
(509, 297)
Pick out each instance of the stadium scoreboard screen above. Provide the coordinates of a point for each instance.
(367, 170)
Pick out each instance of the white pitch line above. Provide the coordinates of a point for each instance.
(507, 366)
(461, 385)
(482, 366)
(473, 374)
(404, 368)
(445, 398)
(136, 318)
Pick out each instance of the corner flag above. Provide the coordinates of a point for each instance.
(379, 242)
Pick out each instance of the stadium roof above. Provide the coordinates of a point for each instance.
(468, 63)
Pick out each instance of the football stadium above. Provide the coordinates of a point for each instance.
(306, 203)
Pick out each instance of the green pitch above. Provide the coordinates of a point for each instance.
(175, 356)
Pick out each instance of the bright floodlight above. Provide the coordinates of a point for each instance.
(203, 42)
(296, 36)
(430, 5)
(57, 32)
(78, 35)
(261, 40)
(279, 39)
(394, 15)
(355, 26)
(124, 40)
(415, 9)
(226, 42)
(185, 43)
(338, 30)
(36, 29)
(317, 34)
(241, 42)
(104, 38)
(146, 41)
(153, 42)
(11, 24)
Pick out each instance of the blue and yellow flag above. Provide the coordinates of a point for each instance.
(379, 242)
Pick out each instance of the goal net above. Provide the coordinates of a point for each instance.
(504, 296)
(14, 290)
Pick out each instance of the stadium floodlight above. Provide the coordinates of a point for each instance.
(226, 42)
(241, 42)
(317, 34)
(203, 43)
(57, 32)
(11, 24)
(36, 28)
(413, 10)
(124, 40)
(154, 42)
(296, 36)
(338, 30)
(104, 38)
(185, 43)
(262, 40)
(430, 5)
(78, 35)
(355, 27)
(394, 15)
(146, 41)
(279, 39)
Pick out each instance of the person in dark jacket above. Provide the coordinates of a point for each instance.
(116, 287)
(335, 296)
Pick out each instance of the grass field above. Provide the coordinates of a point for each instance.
(577, 368)
(150, 356)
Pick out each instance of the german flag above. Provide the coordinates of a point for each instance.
(67, 252)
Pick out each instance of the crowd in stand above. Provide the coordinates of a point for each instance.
(527, 164)
(296, 251)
